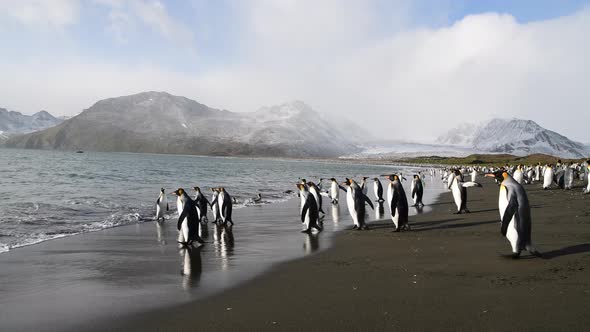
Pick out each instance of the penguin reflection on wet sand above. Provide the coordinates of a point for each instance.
(188, 221)
(355, 200)
(192, 267)
(398, 203)
(161, 204)
(515, 214)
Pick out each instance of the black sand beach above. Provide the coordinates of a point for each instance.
(447, 274)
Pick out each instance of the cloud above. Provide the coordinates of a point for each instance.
(360, 61)
(125, 15)
(42, 13)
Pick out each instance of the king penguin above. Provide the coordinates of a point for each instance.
(161, 204)
(459, 190)
(518, 174)
(188, 220)
(215, 205)
(202, 204)
(378, 190)
(587, 180)
(515, 214)
(315, 191)
(225, 206)
(334, 192)
(547, 177)
(309, 209)
(398, 203)
(417, 189)
(363, 185)
(355, 200)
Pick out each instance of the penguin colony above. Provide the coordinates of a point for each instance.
(513, 204)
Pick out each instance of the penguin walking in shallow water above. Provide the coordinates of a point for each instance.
(334, 191)
(224, 200)
(417, 189)
(309, 209)
(398, 203)
(202, 204)
(188, 220)
(515, 214)
(355, 200)
(459, 190)
(161, 204)
(378, 190)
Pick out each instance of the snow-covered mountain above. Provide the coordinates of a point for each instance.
(514, 136)
(162, 123)
(12, 123)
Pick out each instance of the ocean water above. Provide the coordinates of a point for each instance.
(53, 194)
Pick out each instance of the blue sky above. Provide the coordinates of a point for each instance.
(501, 58)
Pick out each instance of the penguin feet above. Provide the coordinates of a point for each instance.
(306, 231)
(366, 227)
(355, 227)
(467, 211)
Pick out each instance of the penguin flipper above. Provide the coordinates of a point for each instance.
(393, 205)
(508, 214)
(341, 187)
(167, 207)
(368, 200)
(158, 201)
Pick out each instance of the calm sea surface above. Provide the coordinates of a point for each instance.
(50, 194)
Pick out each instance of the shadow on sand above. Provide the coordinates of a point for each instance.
(571, 250)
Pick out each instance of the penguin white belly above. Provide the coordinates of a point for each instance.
(159, 212)
(518, 176)
(395, 218)
(512, 235)
(588, 186)
(183, 235)
(502, 201)
(220, 201)
(376, 191)
(334, 193)
(456, 195)
(547, 178)
(389, 196)
(473, 176)
(351, 207)
(537, 173)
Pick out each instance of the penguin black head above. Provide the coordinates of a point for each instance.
(178, 192)
(375, 179)
(333, 179)
(196, 188)
(416, 176)
(365, 177)
(162, 190)
(499, 175)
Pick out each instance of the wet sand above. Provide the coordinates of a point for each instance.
(447, 274)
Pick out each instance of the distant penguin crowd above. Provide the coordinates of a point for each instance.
(513, 203)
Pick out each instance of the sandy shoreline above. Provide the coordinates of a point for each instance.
(448, 274)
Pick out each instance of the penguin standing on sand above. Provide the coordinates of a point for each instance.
(515, 214)
(188, 220)
(309, 210)
(334, 192)
(473, 175)
(547, 177)
(378, 190)
(398, 203)
(224, 200)
(568, 177)
(355, 199)
(417, 189)
(161, 204)
(459, 190)
(518, 174)
(202, 204)
(215, 205)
